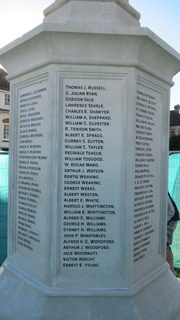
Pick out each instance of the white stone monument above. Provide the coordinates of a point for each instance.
(88, 168)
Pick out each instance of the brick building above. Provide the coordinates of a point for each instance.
(4, 111)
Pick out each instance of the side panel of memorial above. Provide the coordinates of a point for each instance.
(30, 164)
(150, 176)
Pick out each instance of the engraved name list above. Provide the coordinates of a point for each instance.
(89, 212)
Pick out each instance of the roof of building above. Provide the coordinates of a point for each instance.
(4, 83)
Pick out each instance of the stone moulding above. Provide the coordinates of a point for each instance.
(135, 47)
(122, 3)
(86, 292)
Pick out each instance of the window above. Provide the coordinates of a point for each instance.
(6, 129)
(6, 132)
(6, 99)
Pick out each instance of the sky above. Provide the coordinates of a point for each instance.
(161, 16)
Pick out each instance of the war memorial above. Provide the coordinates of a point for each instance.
(90, 92)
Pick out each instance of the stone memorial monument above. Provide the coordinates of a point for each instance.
(88, 168)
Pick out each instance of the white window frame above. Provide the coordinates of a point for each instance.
(5, 125)
(6, 99)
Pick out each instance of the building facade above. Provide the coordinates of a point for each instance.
(4, 111)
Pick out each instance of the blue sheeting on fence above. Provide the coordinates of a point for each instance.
(174, 190)
(4, 162)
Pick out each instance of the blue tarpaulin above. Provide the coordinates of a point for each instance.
(174, 190)
(4, 161)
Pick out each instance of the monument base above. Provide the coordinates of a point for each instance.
(159, 300)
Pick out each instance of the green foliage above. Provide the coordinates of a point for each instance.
(177, 272)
